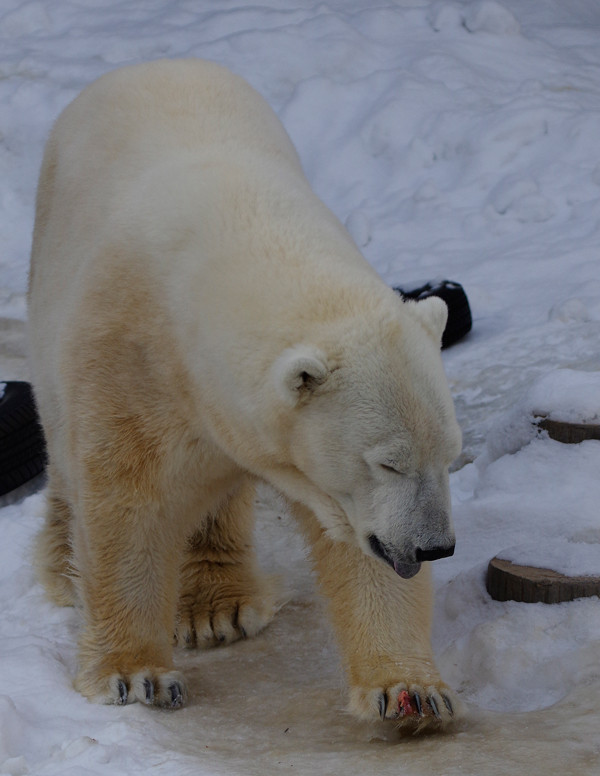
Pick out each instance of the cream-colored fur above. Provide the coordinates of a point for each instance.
(199, 320)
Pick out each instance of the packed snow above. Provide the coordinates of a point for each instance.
(454, 139)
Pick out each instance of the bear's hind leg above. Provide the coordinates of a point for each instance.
(53, 552)
(224, 596)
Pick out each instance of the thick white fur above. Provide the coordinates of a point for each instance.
(199, 319)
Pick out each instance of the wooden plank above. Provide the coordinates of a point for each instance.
(569, 433)
(508, 581)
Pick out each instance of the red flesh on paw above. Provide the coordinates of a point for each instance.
(404, 704)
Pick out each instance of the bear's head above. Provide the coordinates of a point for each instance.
(371, 432)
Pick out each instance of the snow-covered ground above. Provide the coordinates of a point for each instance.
(455, 139)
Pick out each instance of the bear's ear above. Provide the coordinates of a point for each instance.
(432, 312)
(298, 371)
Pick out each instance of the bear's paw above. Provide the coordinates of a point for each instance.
(414, 706)
(152, 686)
(204, 627)
(223, 603)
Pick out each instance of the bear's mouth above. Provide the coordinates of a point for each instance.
(404, 570)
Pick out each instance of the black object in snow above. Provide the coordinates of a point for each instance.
(459, 313)
(22, 446)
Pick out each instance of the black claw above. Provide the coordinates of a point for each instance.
(235, 621)
(176, 695)
(434, 707)
(448, 705)
(417, 699)
(383, 704)
(122, 692)
(149, 690)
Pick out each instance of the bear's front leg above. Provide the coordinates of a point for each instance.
(383, 627)
(224, 596)
(126, 556)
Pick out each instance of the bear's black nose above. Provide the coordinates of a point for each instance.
(434, 553)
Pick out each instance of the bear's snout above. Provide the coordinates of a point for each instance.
(403, 567)
(408, 566)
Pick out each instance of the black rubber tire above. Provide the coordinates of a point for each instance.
(460, 320)
(22, 446)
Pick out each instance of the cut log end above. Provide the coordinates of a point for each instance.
(568, 433)
(508, 581)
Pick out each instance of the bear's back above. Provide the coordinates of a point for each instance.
(170, 106)
(104, 161)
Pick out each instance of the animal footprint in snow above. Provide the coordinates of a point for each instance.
(521, 198)
(515, 128)
(491, 17)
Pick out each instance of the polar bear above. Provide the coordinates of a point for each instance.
(200, 322)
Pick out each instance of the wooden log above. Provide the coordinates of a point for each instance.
(569, 433)
(508, 581)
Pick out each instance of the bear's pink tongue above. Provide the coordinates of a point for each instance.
(406, 570)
